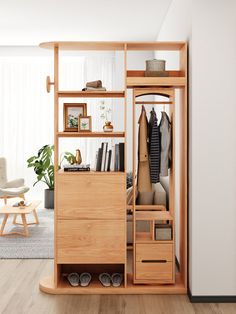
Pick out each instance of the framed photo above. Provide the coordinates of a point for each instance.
(85, 124)
(71, 114)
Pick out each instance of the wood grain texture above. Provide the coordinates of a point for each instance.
(19, 282)
(91, 197)
(91, 241)
(113, 45)
(154, 252)
(162, 272)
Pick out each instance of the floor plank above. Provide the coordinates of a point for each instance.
(20, 295)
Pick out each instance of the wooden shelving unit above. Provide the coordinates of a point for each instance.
(91, 134)
(90, 207)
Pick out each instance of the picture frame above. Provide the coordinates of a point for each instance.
(71, 113)
(85, 124)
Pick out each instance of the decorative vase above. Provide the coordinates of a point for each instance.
(49, 198)
(108, 127)
(78, 157)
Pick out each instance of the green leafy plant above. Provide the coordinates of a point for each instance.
(43, 164)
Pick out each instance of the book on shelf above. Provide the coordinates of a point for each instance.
(99, 160)
(110, 159)
(104, 155)
(76, 167)
(121, 157)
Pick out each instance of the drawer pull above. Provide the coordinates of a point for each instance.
(154, 261)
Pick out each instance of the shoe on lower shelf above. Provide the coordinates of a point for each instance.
(116, 279)
(73, 279)
(85, 279)
(105, 279)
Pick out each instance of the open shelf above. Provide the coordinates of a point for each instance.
(133, 82)
(91, 134)
(91, 94)
(114, 45)
(91, 172)
(146, 237)
(147, 207)
(47, 285)
(153, 215)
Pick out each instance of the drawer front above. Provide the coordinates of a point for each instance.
(152, 252)
(154, 271)
(90, 241)
(91, 197)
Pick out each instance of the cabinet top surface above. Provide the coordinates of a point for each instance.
(114, 45)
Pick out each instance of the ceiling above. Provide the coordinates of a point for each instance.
(28, 22)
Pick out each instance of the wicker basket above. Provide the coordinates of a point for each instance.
(155, 65)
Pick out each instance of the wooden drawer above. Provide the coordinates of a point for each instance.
(162, 272)
(91, 197)
(90, 241)
(152, 252)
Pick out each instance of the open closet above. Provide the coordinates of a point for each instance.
(97, 229)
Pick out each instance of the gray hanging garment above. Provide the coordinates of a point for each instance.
(154, 147)
(165, 131)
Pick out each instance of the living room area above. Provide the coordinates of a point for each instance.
(115, 146)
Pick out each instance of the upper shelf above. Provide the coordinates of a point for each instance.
(92, 94)
(113, 45)
(138, 79)
(151, 215)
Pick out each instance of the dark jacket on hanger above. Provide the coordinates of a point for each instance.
(154, 147)
(165, 131)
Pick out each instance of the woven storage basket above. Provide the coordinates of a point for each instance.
(155, 65)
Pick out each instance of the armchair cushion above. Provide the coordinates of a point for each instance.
(15, 183)
(13, 191)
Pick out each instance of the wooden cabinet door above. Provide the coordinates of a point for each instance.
(91, 241)
(86, 196)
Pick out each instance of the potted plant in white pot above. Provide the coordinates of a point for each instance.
(44, 168)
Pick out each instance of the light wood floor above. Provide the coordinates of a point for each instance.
(19, 294)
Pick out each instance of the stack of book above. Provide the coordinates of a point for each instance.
(110, 159)
(76, 167)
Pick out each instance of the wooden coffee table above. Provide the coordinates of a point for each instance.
(8, 210)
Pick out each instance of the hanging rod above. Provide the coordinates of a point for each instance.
(153, 103)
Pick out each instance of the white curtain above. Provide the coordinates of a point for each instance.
(26, 110)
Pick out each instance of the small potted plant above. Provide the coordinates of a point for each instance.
(44, 168)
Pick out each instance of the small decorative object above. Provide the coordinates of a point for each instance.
(71, 114)
(85, 124)
(78, 157)
(21, 204)
(163, 232)
(108, 127)
(155, 65)
(105, 115)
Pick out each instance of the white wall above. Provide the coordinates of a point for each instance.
(210, 28)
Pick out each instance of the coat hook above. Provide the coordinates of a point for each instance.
(48, 84)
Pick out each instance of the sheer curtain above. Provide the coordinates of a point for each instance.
(26, 110)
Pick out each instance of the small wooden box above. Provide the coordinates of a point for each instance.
(163, 232)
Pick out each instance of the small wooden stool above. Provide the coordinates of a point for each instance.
(10, 210)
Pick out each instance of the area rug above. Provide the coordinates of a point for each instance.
(40, 242)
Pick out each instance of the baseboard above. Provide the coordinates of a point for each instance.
(211, 298)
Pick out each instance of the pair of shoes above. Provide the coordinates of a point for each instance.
(83, 279)
(107, 280)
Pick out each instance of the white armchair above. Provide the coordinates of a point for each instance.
(9, 189)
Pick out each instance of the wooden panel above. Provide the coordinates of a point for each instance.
(141, 73)
(156, 81)
(154, 271)
(154, 252)
(91, 241)
(113, 45)
(152, 215)
(92, 94)
(91, 197)
(91, 134)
